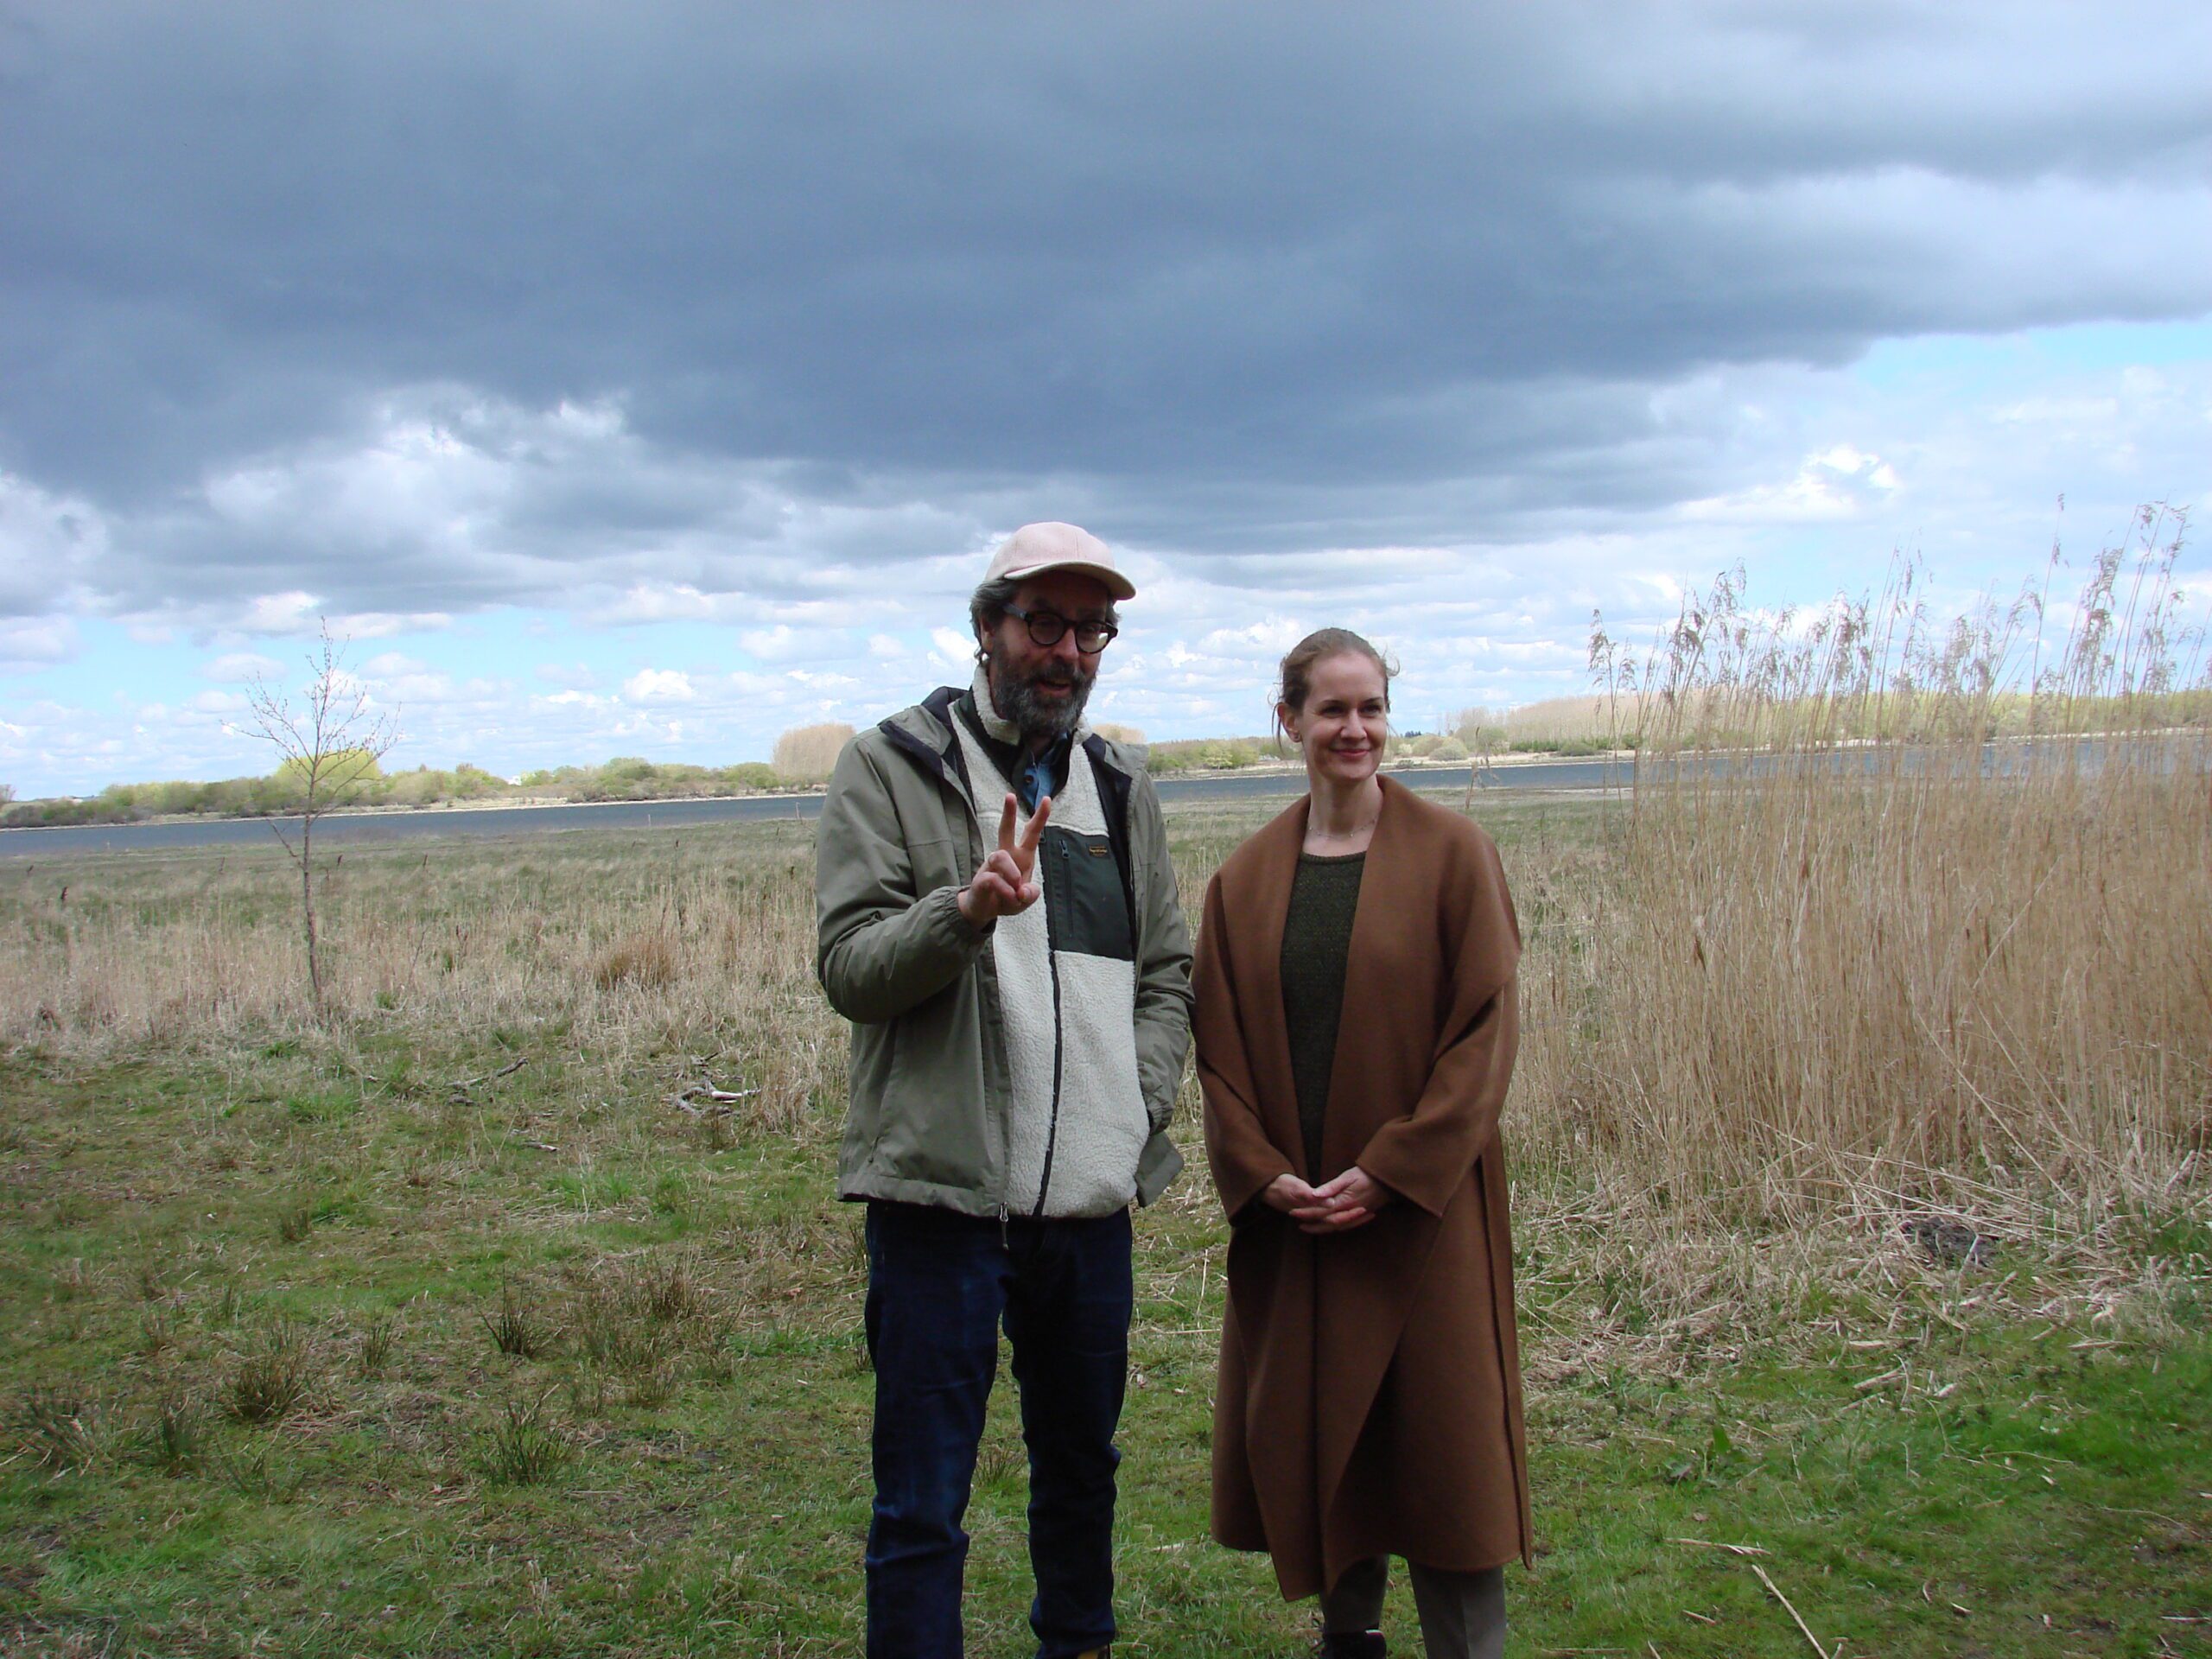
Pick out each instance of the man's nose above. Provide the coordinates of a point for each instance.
(1065, 647)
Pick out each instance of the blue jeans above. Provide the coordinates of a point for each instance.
(938, 1286)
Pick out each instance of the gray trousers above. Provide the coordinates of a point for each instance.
(1462, 1614)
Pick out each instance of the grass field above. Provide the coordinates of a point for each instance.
(438, 1325)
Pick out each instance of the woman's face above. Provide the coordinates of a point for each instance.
(1346, 721)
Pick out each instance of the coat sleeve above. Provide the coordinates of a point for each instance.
(1163, 966)
(1243, 1159)
(1426, 1155)
(881, 947)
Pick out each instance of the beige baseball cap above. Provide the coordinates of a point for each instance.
(1035, 549)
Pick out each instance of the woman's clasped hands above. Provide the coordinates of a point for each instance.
(1335, 1206)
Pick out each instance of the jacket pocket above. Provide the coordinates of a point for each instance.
(933, 1121)
(1085, 905)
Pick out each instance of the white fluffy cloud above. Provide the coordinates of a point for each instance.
(659, 685)
(50, 543)
(242, 666)
(1841, 482)
(29, 642)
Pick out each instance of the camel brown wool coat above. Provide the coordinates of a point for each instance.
(1369, 1394)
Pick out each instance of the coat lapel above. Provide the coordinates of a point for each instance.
(1384, 923)
(1266, 905)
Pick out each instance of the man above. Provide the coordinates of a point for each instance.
(997, 918)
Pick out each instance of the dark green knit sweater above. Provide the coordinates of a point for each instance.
(1316, 940)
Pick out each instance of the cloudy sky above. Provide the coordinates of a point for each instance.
(649, 378)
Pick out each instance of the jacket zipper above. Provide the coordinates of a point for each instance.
(975, 825)
(1059, 1056)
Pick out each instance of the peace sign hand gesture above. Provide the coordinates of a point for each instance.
(1006, 884)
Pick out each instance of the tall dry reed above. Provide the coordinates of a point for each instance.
(1592, 718)
(809, 754)
(1822, 963)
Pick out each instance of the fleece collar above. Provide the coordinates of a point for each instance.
(999, 730)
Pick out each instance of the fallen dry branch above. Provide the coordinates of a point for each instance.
(468, 1083)
(1775, 1590)
(720, 1103)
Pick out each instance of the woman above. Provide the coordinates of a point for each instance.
(1356, 1030)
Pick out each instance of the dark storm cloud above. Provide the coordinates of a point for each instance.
(1237, 278)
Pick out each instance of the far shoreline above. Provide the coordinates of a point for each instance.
(528, 802)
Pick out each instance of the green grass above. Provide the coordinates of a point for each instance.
(686, 1473)
(678, 1463)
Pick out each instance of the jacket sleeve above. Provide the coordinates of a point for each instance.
(881, 947)
(1426, 1155)
(1163, 966)
(1243, 1159)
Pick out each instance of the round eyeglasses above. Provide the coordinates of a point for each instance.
(1045, 628)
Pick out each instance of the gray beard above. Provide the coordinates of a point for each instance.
(1037, 720)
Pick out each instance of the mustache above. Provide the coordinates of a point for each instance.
(1054, 676)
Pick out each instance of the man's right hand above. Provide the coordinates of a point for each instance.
(1006, 884)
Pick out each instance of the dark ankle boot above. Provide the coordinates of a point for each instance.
(1353, 1644)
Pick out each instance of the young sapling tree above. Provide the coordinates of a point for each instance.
(329, 747)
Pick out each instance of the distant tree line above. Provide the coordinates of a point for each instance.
(283, 792)
(803, 758)
(1473, 732)
(627, 778)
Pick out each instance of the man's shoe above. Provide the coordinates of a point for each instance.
(1353, 1644)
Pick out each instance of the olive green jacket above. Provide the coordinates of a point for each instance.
(898, 838)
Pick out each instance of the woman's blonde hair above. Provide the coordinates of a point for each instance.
(1296, 675)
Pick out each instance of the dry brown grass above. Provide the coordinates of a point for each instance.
(1820, 982)
(620, 941)
(647, 959)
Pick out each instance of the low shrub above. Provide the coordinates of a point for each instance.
(1208, 755)
(514, 1329)
(380, 1336)
(524, 1446)
(272, 1377)
(58, 1427)
(172, 1437)
(647, 959)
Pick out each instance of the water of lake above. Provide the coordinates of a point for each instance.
(359, 828)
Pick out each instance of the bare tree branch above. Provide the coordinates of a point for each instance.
(328, 747)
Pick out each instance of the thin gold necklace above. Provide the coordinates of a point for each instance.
(1352, 834)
